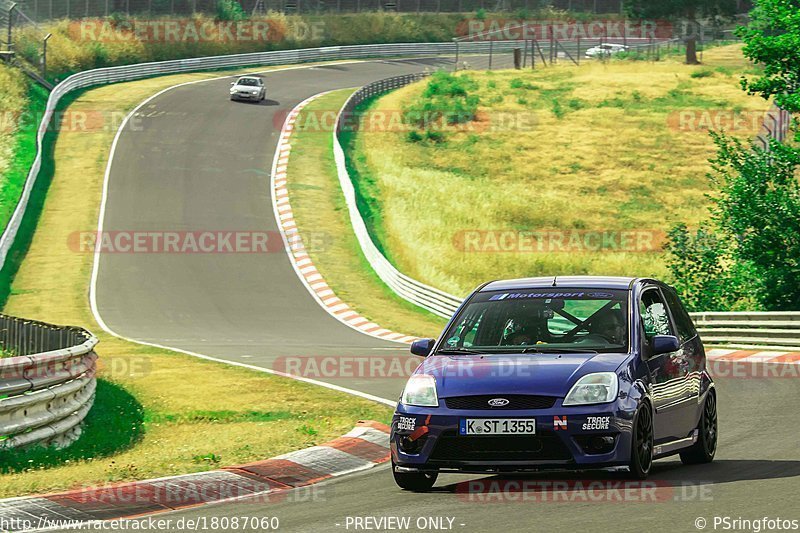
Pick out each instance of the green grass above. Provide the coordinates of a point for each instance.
(595, 148)
(18, 120)
(115, 423)
(149, 419)
(317, 202)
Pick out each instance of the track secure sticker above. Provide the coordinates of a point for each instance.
(405, 423)
(596, 422)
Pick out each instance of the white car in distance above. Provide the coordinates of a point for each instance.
(248, 88)
(605, 50)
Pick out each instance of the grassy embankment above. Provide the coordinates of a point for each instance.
(157, 412)
(607, 153)
(317, 202)
(77, 46)
(20, 105)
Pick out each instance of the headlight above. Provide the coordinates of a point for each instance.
(600, 387)
(420, 391)
(233, 90)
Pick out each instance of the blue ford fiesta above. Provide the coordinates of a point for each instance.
(567, 373)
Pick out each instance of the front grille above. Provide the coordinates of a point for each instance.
(515, 401)
(543, 447)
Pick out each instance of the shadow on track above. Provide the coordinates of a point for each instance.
(664, 475)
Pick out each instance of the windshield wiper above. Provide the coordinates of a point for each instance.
(539, 349)
(457, 351)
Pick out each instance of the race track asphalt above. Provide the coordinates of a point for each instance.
(198, 162)
(191, 160)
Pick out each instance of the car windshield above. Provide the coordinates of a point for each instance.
(542, 320)
(250, 82)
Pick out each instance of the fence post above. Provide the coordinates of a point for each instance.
(455, 65)
(490, 53)
(44, 55)
(10, 25)
(525, 55)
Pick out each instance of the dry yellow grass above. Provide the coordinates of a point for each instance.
(605, 154)
(188, 409)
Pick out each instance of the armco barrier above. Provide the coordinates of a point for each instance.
(778, 330)
(775, 330)
(144, 70)
(47, 386)
(416, 292)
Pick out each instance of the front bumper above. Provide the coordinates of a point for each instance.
(429, 439)
(244, 96)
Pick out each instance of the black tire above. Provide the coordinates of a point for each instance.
(704, 449)
(414, 481)
(642, 443)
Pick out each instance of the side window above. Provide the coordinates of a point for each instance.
(683, 322)
(654, 314)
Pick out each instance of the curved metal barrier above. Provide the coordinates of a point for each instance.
(776, 330)
(47, 385)
(134, 72)
(416, 292)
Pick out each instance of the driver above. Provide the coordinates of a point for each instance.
(527, 329)
(610, 325)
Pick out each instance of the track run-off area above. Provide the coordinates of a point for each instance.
(192, 161)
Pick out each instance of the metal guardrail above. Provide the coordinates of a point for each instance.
(775, 330)
(416, 292)
(144, 70)
(47, 387)
(778, 330)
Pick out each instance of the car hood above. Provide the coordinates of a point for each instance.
(541, 374)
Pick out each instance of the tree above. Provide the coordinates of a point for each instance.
(688, 10)
(772, 39)
(759, 206)
(748, 254)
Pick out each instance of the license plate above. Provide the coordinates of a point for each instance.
(497, 426)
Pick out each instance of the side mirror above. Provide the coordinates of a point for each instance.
(422, 347)
(233, 83)
(664, 344)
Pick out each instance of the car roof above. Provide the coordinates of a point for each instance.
(248, 78)
(571, 282)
